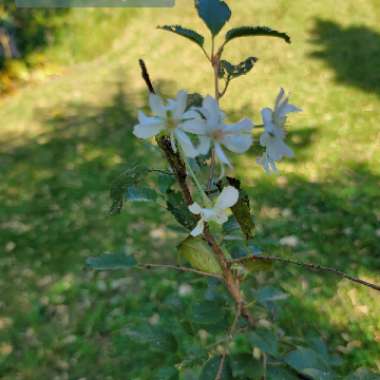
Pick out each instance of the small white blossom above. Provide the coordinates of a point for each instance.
(171, 118)
(218, 213)
(274, 134)
(213, 131)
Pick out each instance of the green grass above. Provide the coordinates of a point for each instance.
(64, 139)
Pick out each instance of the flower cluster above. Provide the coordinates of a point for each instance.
(207, 124)
(210, 131)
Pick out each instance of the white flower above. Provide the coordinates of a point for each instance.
(171, 118)
(274, 134)
(211, 130)
(227, 198)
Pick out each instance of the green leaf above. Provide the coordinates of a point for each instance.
(265, 340)
(270, 294)
(242, 209)
(156, 338)
(184, 32)
(167, 374)
(178, 207)
(140, 194)
(210, 369)
(254, 31)
(308, 362)
(214, 13)
(111, 261)
(206, 313)
(280, 373)
(199, 255)
(119, 186)
(165, 182)
(246, 366)
(229, 71)
(194, 100)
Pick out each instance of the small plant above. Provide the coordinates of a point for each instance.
(199, 190)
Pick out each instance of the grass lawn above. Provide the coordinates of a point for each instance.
(64, 139)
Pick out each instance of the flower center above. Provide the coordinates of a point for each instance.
(171, 123)
(217, 134)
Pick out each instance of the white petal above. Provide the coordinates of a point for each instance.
(195, 125)
(148, 127)
(221, 155)
(198, 230)
(180, 105)
(204, 145)
(157, 105)
(186, 144)
(212, 111)
(221, 217)
(238, 143)
(227, 198)
(243, 126)
(279, 99)
(195, 208)
(267, 115)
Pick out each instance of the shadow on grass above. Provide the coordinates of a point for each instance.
(54, 214)
(353, 52)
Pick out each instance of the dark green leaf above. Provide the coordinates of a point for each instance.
(140, 194)
(111, 261)
(308, 362)
(194, 100)
(245, 366)
(165, 182)
(229, 71)
(119, 186)
(265, 340)
(280, 373)
(207, 313)
(254, 31)
(214, 13)
(199, 255)
(178, 207)
(210, 369)
(184, 32)
(156, 339)
(167, 374)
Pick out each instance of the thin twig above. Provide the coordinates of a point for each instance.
(179, 269)
(145, 76)
(310, 266)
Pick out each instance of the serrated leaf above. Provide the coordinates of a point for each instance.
(140, 194)
(157, 339)
(214, 13)
(178, 208)
(242, 209)
(184, 32)
(229, 71)
(308, 362)
(199, 255)
(255, 31)
(210, 369)
(111, 261)
(265, 340)
(119, 186)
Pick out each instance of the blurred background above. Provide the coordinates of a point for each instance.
(70, 89)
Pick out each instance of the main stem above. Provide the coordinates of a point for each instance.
(179, 169)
